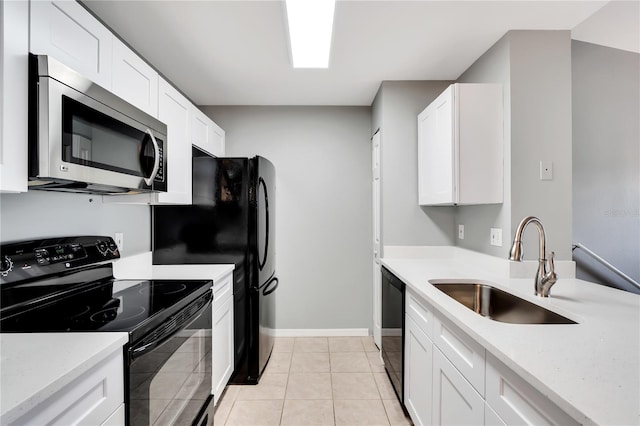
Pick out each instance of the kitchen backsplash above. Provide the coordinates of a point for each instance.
(39, 214)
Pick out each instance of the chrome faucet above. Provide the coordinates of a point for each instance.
(544, 280)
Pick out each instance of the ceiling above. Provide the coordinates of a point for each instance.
(237, 53)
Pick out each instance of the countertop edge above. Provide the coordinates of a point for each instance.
(460, 316)
(64, 378)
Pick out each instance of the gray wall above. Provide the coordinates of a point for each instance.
(535, 70)
(606, 154)
(492, 67)
(322, 157)
(40, 214)
(403, 221)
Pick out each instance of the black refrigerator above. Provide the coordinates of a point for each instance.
(232, 220)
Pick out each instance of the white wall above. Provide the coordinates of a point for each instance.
(322, 157)
(606, 155)
(41, 214)
(403, 220)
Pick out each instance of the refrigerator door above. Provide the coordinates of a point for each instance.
(266, 215)
(265, 242)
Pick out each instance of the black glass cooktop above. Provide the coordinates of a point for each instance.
(133, 306)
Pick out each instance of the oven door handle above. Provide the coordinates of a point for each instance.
(168, 329)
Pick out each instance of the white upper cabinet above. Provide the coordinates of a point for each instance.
(460, 139)
(14, 40)
(66, 31)
(175, 111)
(205, 134)
(133, 79)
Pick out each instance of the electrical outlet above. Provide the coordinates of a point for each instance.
(461, 232)
(119, 239)
(496, 237)
(546, 170)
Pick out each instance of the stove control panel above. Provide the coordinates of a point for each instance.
(32, 259)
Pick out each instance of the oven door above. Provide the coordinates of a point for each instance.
(170, 371)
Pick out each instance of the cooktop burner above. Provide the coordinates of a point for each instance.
(65, 284)
(118, 305)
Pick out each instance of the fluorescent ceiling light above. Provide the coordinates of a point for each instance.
(310, 27)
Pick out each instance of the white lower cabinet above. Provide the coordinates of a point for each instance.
(491, 418)
(92, 399)
(450, 379)
(418, 361)
(516, 402)
(455, 401)
(116, 419)
(223, 335)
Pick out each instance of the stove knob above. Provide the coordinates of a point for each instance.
(7, 266)
(102, 247)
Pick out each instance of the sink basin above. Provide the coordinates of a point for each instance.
(499, 305)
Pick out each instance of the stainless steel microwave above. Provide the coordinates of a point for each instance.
(83, 138)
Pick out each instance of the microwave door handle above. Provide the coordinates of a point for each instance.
(156, 163)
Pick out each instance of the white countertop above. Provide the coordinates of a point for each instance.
(591, 369)
(139, 266)
(34, 366)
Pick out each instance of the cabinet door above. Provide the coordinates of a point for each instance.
(418, 373)
(436, 168)
(517, 402)
(223, 350)
(14, 39)
(491, 418)
(206, 135)
(217, 140)
(66, 31)
(90, 399)
(175, 111)
(134, 80)
(455, 401)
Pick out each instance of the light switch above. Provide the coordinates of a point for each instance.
(461, 232)
(546, 170)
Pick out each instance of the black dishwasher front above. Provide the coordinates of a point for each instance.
(393, 294)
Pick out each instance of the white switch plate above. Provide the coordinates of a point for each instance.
(461, 232)
(546, 170)
(119, 239)
(496, 237)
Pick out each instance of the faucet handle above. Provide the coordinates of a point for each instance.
(551, 265)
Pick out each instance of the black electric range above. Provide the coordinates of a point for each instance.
(67, 285)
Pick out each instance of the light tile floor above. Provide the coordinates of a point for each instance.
(316, 381)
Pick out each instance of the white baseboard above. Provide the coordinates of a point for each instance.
(320, 332)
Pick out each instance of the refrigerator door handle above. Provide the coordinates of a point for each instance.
(268, 289)
(263, 261)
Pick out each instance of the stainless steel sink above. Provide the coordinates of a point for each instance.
(499, 305)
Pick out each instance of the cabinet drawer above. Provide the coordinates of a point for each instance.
(90, 399)
(419, 312)
(464, 353)
(517, 402)
(222, 289)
